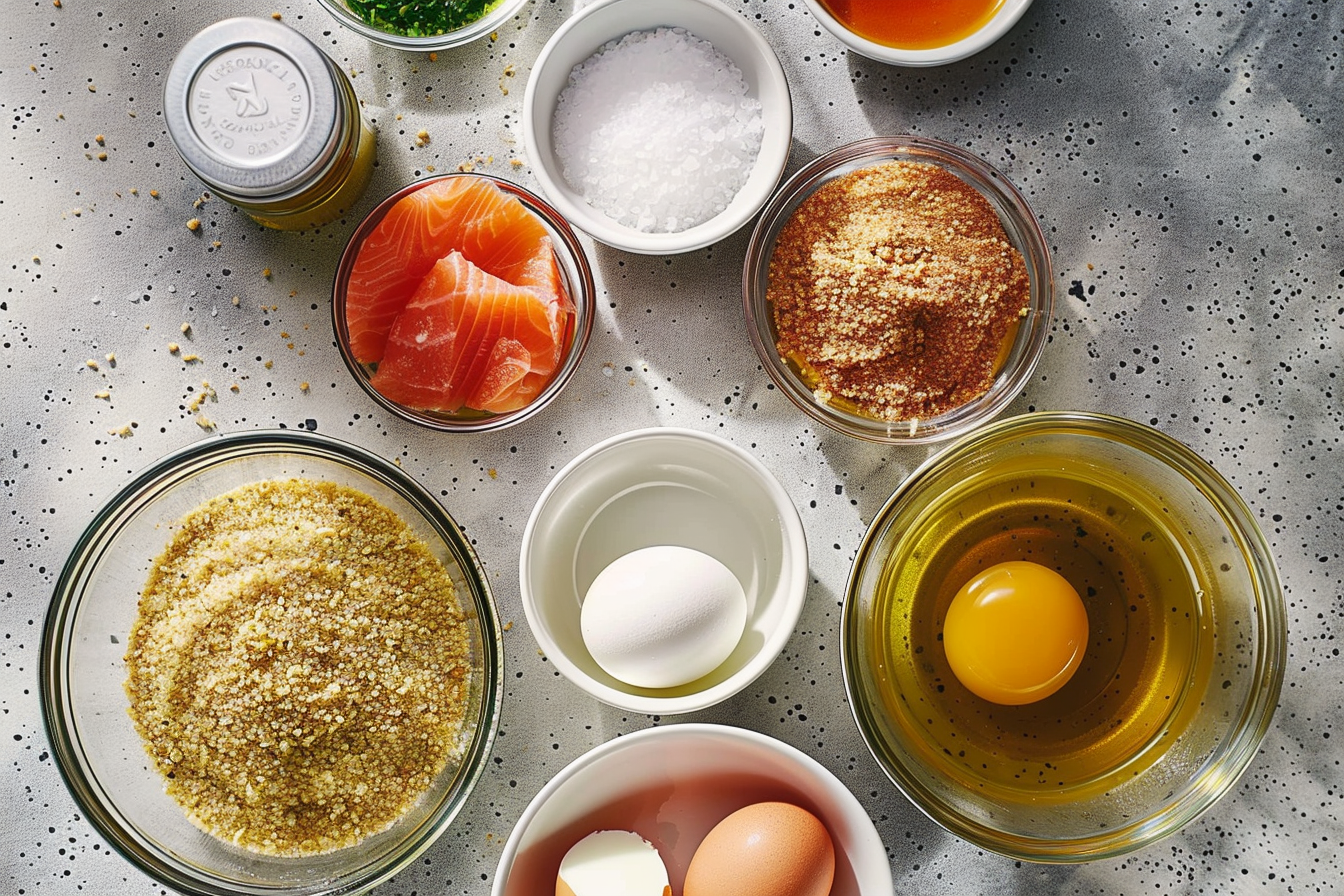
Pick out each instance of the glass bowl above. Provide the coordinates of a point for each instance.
(85, 708)
(1184, 657)
(503, 11)
(575, 274)
(1016, 362)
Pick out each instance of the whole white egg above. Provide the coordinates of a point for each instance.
(663, 616)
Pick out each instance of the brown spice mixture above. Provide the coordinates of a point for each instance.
(894, 289)
(299, 667)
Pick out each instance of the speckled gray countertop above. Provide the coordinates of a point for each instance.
(1184, 159)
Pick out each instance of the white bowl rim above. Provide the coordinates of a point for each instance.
(773, 157)
(796, 574)
(999, 25)
(849, 803)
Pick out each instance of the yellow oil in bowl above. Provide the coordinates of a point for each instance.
(1148, 645)
(1070, 742)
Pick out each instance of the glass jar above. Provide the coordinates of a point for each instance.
(269, 123)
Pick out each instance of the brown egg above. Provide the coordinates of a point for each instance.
(766, 849)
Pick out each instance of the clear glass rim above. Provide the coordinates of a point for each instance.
(1019, 224)
(506, 10)
(580, 282)
(57, 709)
(1218, 774)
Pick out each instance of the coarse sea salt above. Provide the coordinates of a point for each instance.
(657, 130)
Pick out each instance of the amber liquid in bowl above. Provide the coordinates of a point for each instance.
(1150, 631)
(913, 24)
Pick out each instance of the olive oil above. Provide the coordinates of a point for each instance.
(1149, 620)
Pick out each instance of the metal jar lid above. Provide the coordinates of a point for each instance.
(252, 107)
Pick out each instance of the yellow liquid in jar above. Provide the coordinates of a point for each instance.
(1150, 633)
(332, 196)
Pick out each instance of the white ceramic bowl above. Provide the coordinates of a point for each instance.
(607, 20)
(994, 29)
(663, 487)
(671, 785)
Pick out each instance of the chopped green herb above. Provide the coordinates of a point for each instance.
(421, 18)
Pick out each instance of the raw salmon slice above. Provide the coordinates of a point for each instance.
(468, 338)
(470, 215)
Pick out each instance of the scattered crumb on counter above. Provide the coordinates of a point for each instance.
(194, 224)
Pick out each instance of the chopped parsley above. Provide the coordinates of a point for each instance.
(421, 18)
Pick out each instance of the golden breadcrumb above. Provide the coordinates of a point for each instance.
(299, 668)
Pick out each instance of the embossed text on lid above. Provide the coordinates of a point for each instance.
(252, 107)
(249, 105)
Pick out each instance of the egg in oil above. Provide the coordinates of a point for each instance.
(1137, 579)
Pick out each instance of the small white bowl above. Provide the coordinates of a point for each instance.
(994, 29)
(671, 785)
(608, 20)
(653, 487)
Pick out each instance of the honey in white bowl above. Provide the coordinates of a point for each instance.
(913, 24)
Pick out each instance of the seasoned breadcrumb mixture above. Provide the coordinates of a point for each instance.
(299, 667)
(894, 289)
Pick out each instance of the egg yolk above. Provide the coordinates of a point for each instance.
(1015, 633)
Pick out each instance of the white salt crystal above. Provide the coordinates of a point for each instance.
(657, 130)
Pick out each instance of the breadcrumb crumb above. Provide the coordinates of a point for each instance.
(334, 645)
